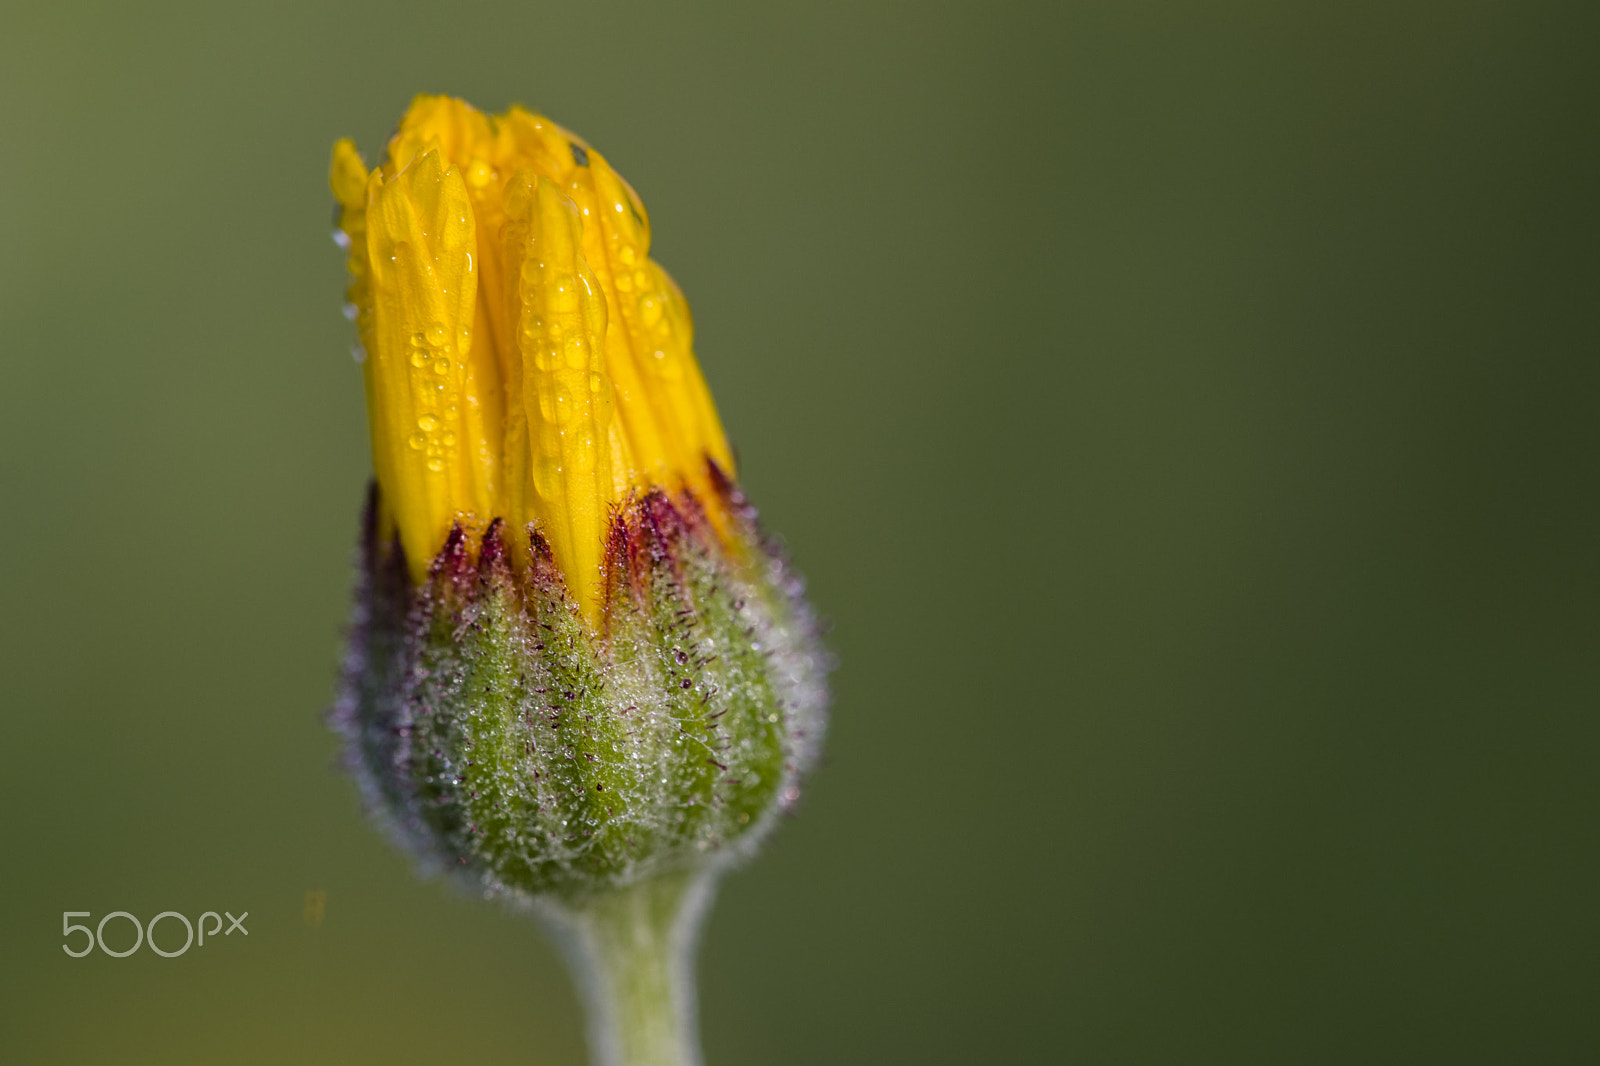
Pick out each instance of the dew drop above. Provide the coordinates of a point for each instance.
(664, 364)
(441, 365)
(436, 464)
(419, 357)
(547, 478)
(581, 446)
(649, 310)
(577, 352)
(604, 401)
(556, 405)
(437, 334)
(428, 423)
(564, 293)
(418, 441)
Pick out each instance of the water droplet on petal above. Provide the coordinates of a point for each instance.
(664, 364)
(564, 293)
(547, 478)
(604, 400)
(577, 352)
(556, 405)
(581, 446)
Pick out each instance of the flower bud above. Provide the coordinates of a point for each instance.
(576, 662)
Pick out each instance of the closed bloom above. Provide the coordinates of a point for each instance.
(576, 663)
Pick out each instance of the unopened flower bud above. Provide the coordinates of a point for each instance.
(576, 663)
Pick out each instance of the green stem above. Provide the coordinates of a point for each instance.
(632, 952)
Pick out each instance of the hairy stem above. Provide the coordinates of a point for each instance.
(632, 952)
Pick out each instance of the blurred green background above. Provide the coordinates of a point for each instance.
(1186, 415)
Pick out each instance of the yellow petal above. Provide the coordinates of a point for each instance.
(452, 126)
(347, 175)
(420, 244)
(561, 328)
(527, 360)
(661, 396)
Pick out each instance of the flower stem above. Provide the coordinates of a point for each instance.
(632, 952)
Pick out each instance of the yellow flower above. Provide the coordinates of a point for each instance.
(579, 675)
(525, 358)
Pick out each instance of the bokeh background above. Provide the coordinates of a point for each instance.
(1185, 413)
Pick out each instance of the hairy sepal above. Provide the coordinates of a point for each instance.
(496, 733)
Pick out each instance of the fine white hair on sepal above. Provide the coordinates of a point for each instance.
(498, 737)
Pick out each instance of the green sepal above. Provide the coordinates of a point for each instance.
(500, 735)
